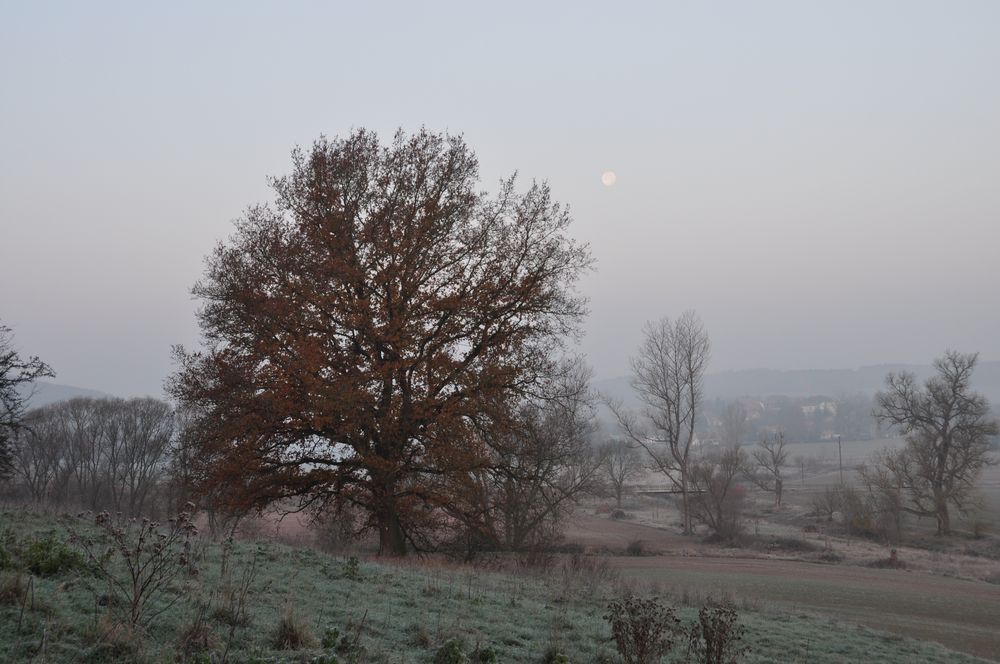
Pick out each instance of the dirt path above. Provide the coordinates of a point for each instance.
(963, 615)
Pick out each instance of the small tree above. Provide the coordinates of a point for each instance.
(644, 629)
(17, 378)
(770, 457)
(886, 492)
(622, 464)
(828, 502)
(537, 467)
(947, 428)
(718, 498)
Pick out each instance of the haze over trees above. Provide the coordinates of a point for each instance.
(17, 377)
(948, 428)
(370, 333)
(667, 375)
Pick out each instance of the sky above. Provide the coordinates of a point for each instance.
(817, 179)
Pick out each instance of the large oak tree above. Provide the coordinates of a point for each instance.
(362, 331)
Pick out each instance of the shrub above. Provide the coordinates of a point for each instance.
(49, 557)
(485, 655)
(554, 656)
(195, 637)
(635, 547)
(12, 589)
(334, 639)
(644, 629)
(452, 652)
(785, 543)
(585, 575)
(141, 563)
(291, 633)
(827, 503)
(716, 637)
(6, 552)
(351, 569)
(419, 636)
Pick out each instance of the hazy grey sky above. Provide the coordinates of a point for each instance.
(820, 180)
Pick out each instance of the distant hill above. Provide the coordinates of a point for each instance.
(809, 382)
(46, 393)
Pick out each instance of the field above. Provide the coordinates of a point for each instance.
(404, 612)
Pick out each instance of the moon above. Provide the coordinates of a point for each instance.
(608, 178)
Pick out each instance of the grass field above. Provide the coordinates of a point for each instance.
(383, 613)
(958, 613)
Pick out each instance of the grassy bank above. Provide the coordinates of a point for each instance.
(302, 605)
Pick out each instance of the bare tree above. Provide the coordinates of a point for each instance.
(622, 463)
(718, 498)
(769, 458)
(668, 373)
(98, 453)
(17, 379)
(38, 459)
(141, 431)
(538, 466)
(886, 493)
(948, 429)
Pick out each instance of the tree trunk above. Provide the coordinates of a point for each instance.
(618, 496)
(391, 541)
(685, 505)
(943, 519)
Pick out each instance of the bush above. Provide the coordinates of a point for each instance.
(554, 656)
(585, 575)
(827, 503)
(196, 637)
(452, 652)
(351, 569)
(485, 655)
(49, 557)
(644, 629)
(12, 589)
(635, 548)
(141, 563)
(716, 637)
(784, 543)
(291, 634)
(6, 552)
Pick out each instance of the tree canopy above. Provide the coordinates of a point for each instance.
(363, 330)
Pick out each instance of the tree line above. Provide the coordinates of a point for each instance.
(97, 454)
